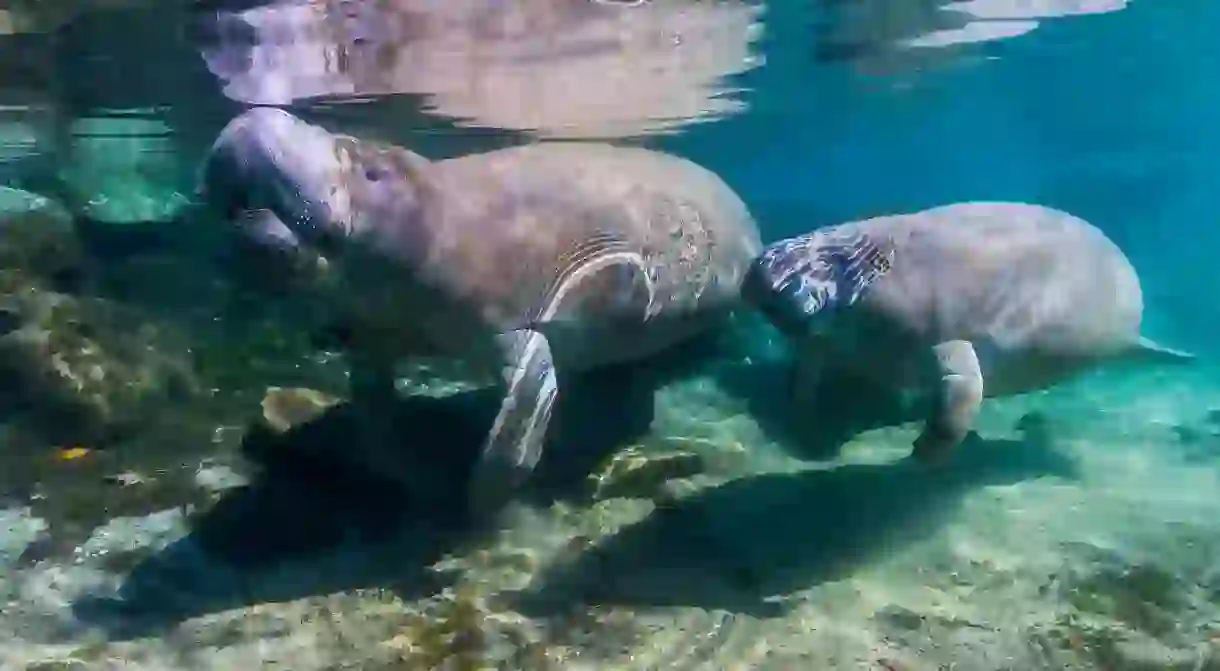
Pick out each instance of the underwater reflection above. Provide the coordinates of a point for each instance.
(895, 36)
(110, 107)
(573, 68)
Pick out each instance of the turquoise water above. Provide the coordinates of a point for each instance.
(182, 487)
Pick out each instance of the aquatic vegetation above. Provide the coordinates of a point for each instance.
(461, 634)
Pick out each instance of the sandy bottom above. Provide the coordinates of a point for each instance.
(1078, 530)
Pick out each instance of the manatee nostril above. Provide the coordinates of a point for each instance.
(374, 173)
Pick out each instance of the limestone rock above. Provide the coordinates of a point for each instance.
(77, 366)
(37, 241)
(638, 473)
(285, 408)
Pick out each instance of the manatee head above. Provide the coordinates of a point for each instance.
(264, 254)
(800, 282)
(327, 189)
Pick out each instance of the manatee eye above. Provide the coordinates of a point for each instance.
(374, 173)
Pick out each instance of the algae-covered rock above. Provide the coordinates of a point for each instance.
(661, 470)
(286, 408)
(84, 368)
(638, 473)
(37, 241)
(78, 366)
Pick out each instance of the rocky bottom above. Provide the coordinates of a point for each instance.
(1077, 530)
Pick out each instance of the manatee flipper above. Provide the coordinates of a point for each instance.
(514, 445)
(601, 270)
(955, 401)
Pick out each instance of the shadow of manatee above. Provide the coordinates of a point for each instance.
(846, 406)
(309, 523)
(745, 544)
(316, 520)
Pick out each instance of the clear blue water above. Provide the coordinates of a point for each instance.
(175, 494)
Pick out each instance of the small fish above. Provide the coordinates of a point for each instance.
(71, 453)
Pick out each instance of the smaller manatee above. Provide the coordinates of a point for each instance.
(985, 299)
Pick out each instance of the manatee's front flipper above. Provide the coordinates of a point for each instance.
(515, 443)
(955, 401)
(601, 277)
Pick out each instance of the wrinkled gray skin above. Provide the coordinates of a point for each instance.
(984, 299)
(533, 261)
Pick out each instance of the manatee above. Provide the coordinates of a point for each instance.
(534, 261)
(983, 299)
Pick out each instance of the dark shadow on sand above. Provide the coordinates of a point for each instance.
(315, 521)
(846, 406)
(743, 545)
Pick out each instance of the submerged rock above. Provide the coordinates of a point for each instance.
(219, 478)
(637, 473)
(82, 371)
(76, 368)
(129, 534)
(284, 409)
(37, 241)
(18, 530)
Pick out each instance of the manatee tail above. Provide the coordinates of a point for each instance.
(1148, 350)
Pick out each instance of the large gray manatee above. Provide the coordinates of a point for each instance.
(984, 299)
(530, 261)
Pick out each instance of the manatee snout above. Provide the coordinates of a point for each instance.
(265, 254)
(268, 159)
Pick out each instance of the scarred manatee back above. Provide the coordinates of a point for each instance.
(1022, 277)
